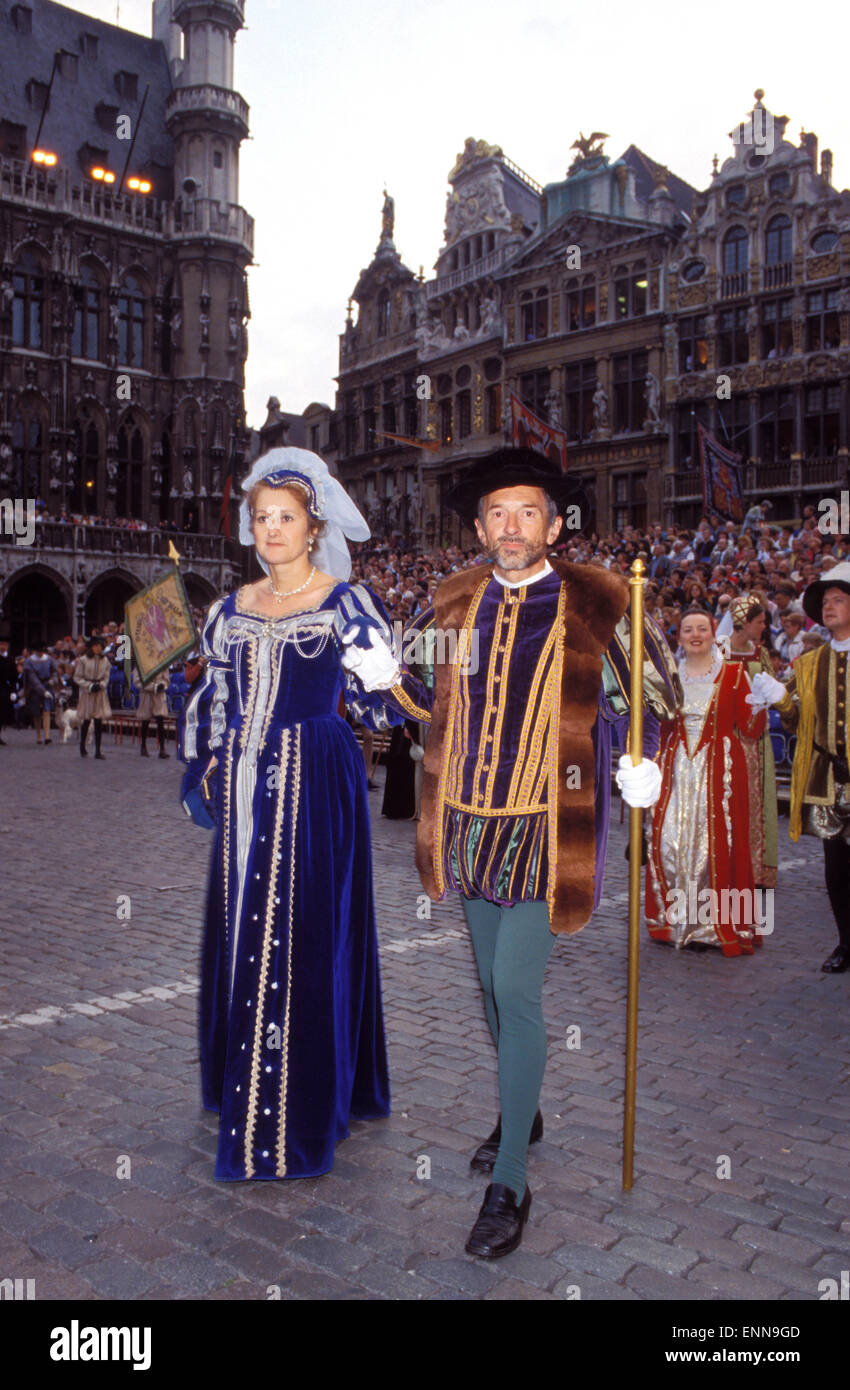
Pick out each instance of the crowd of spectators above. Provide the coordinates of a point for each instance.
(121, 523)
(708, 566)
(62, 690)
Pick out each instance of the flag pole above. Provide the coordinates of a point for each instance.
(635, 854)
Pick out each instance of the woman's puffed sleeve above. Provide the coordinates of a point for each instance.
(204, 720)
(376, 709)
(751, 723)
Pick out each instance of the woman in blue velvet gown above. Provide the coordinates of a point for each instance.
(292, 1035)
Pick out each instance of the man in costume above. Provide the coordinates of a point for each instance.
(153, 705)
(515, 803)
(814, 703)
(91, 674)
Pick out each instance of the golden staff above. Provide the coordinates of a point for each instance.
(635, 855)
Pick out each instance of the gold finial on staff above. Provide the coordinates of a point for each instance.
(636, 582)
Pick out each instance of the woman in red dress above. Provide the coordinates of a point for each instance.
(699, 843)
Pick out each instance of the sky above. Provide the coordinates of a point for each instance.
(347, 98)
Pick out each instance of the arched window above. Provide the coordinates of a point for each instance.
(28, 448)
(777, 242)
(28, 301)
(190, 428)
(82, 494)
(88, 306)
(736, 251)
(131, 323)
(128, 499)
(383, 313)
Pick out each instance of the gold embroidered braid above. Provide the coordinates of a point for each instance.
(256, 1053)
(502, 700)
(554, 788)
(408, 705)
(534, 727)
(284, 1055)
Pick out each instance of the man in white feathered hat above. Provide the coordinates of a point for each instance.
(814, 703)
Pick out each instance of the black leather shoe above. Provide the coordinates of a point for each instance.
(163, 754)
(143, 752)
(484, 1158)
(102, 757)
(498, 1229)
(838, 962)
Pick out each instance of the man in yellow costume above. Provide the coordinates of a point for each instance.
(814, 703)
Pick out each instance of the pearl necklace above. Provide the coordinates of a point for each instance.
(280, 596)
(710, 674)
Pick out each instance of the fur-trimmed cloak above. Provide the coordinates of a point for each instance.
(593, 601)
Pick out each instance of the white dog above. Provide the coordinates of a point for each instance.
(69, 722)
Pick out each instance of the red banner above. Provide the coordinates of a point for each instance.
(721, 477)
(530, 432)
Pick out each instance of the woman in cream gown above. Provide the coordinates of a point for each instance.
(699, 831)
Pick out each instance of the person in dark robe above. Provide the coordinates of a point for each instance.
(400, 787)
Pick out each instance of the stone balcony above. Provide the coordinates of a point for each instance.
(781, 476)
(487, 265)
(210, 100)
(226, 9)
(120, 540)
(54, 191)
(84, 555)
(194, 217)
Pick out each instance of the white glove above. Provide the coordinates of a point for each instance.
(417, 752)
(767, 690)
(641, 785)
(375, 668)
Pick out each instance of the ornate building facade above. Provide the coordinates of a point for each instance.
(623, 306)
(758, 329)
(123, 298)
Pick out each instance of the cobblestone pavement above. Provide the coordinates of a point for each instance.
(106, 1186)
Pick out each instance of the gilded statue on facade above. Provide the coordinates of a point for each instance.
(387, 217)
(588, 146)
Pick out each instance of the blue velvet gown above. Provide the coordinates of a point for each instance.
(292, 1034)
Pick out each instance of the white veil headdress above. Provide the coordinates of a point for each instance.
(328, 502)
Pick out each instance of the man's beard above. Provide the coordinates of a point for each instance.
(521, 557)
